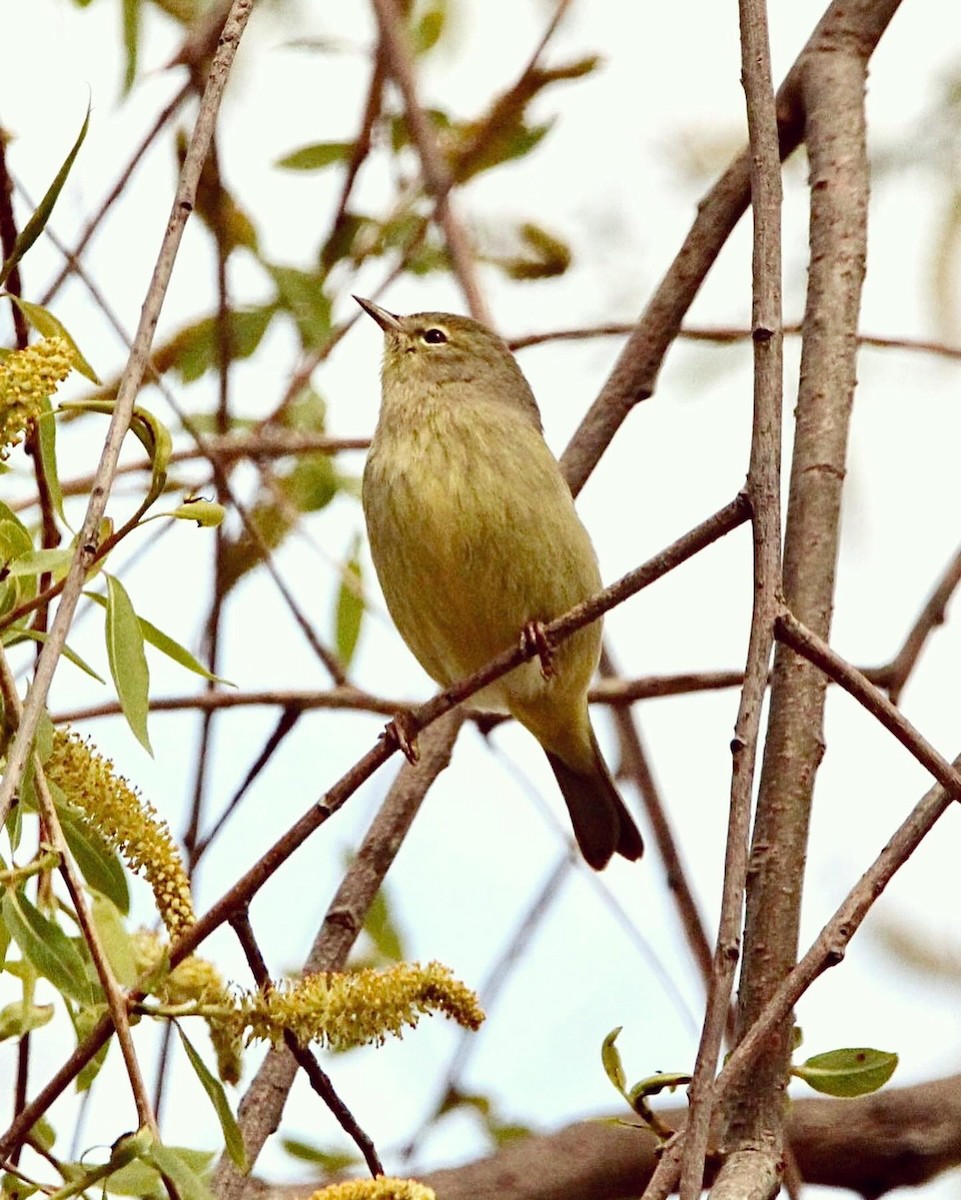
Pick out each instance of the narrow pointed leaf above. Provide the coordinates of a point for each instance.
(47, 436)
(50, 326)
(47, 948)
(99, 865)
(40, 562)
(37, 635)
(175, 1166)
(611, 1060)
(315, 157)
(128, 663)
(350, 608)
(233, 1139)
(34, 227)
(166, 645)
(116, 941)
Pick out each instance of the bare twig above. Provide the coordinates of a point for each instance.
(317, 1076)
(635, 766)
(894, 675)
(726, 335)
(437, 178)
(806, 642)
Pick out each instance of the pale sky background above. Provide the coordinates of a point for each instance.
(609, 178)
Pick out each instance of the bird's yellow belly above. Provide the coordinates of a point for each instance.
(469, 552)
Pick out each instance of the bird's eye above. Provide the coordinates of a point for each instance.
(434, 336)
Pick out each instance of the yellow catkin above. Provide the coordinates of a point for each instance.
(27, 378)
(340, 1011)
(381, 1188)
(126, 822)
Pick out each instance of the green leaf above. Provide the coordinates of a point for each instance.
(131, 39)
(34, 227)
(50, 326)
(316, 156)
(14, 542)
(233, 1138)
(654, 1084)
(19, 1018)
(149, 430)
(427, 32)
(98, 863)
(611, 1061)
(331, 1162)
(311, 483)
(196, 349)
(166, 645)
(848, 1072)
(116, 942)
(542, 256)
(302, 294)
(177, 1167)
(350, 608)
(128, 663)
(380, 928)
(84, 1021)
(207, 513)
(142, 1178)
(47, 436)
(47, 948)
(36, 635)
(40, 562)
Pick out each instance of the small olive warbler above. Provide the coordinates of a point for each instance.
(474, 538)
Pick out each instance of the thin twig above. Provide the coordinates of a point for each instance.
(805, 641)
(726, 335)
(894, 675)
(832, 86)
(437, 178)
(317, 1077)
(635, 766)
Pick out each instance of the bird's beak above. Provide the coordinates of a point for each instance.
(386, 320)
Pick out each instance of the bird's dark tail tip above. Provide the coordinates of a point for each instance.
(602, 825)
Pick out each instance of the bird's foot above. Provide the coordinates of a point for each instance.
(401, 733)
(534, 637)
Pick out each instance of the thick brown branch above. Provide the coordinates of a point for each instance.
(901, 1137)
(831, 80)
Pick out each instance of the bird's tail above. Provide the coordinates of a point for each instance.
(602, 824)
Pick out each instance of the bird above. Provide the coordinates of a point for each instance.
(476, 542)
